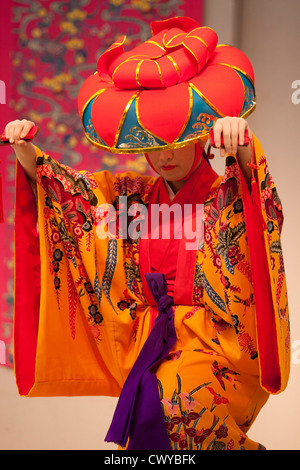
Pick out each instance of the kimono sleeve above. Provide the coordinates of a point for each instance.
(264, 222)
(243, 273)
(57, 321)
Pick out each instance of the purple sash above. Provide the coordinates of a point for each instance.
(138, 414)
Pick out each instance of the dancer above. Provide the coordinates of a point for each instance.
(190, 330)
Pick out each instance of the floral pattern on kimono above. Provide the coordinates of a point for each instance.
(90, 315)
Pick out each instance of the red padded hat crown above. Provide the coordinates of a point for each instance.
(167, 92)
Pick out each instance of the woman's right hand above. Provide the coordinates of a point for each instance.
(15, 131)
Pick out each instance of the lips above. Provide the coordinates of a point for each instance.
(168, 167)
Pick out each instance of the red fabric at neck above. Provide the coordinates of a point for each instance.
(166, 255)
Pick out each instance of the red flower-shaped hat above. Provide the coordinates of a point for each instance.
(167, 92)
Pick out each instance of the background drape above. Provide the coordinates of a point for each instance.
(48, 48)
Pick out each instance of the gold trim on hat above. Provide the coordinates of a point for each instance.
(156, 44)
(90, 99)
(175, 64)
(188, 115)
(239, 70)
(233, 67)
(204, 43)
(160, 74)
(206, 100)
(195, 57)
(142, 125)
(137, 71)
(128, 151)
(129, 59)
(117, 43)
(206, 27)
(249, 111)
(124, 116)
(172, 38)
(244, 96)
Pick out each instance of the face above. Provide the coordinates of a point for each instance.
(173, 165)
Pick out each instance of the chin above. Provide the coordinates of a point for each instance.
(175, 178)
(170, 178)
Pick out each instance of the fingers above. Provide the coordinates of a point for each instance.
(243, 125)
(218, 129)
(218, 132)
(233, 131)
(16, 130)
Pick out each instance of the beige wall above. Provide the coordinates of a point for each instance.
(268, 31)
(274, 48)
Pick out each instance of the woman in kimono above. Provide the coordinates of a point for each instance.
(190, 330)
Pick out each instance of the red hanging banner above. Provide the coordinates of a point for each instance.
(47, 50)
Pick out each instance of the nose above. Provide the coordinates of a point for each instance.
(166, 156)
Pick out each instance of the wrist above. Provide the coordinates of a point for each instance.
(24, 149)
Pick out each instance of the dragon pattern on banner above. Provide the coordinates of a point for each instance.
(54, 46)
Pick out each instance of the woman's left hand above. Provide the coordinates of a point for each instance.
(233, 130)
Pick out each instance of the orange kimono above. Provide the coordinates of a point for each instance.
(83, 310)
